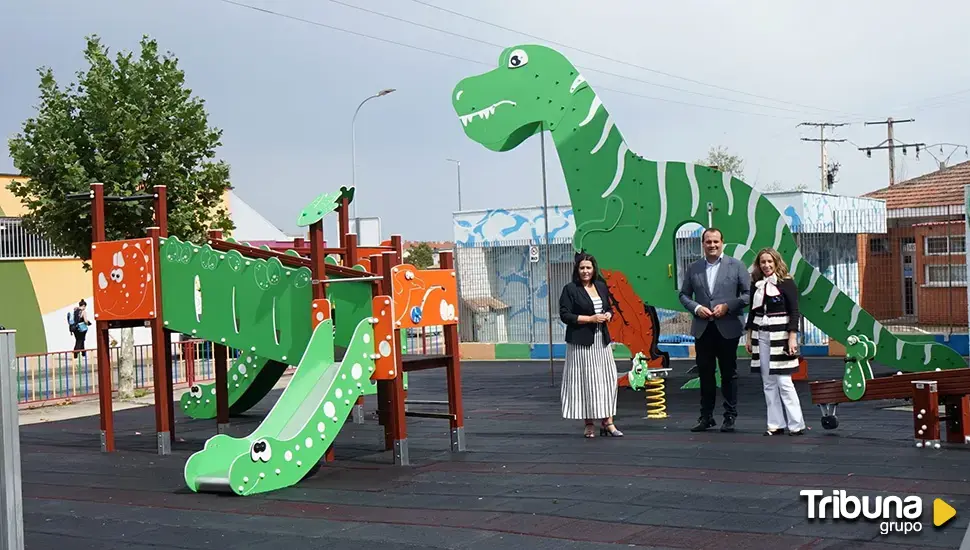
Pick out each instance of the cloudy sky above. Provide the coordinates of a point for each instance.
(681, 76)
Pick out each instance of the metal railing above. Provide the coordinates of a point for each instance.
(66, 375)
(17, 243)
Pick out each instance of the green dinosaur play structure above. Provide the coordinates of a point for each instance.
(257, 306)
(342, 327)
(627, 208)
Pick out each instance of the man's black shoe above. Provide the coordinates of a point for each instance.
(703, 424)
(728, 425)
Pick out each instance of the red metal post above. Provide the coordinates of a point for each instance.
(318, 272)
(343, 221)
(160, 206)
(453, 353)
(221, 360)
(101, 330)
(162, 369)
(350, 250)
(926, 413)
(957, 418)
(398, 423)
(383, 395)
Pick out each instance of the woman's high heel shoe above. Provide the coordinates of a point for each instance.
(612, 433)
(589, 433)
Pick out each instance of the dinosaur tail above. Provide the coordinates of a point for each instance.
(839, 316)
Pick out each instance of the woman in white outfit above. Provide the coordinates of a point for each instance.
(773, 340)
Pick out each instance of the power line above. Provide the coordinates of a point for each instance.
(461, 58)
(890, 143)
(648, 69)
(590, 69)
(828, 175)
(355, 33)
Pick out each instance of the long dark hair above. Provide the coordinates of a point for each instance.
(581, 257)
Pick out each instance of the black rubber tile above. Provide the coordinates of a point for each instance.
(529, 479)
(419, 536)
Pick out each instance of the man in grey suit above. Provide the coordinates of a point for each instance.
(716, 290)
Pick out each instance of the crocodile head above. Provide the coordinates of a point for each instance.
(531, 89)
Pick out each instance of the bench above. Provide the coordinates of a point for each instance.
(926, 389)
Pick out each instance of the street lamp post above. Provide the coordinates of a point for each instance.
(458, 162)
(353, 151)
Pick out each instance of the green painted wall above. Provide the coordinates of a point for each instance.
(18, 308)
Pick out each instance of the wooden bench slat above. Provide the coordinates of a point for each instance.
(949, 382)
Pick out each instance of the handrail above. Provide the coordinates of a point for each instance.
(285, 259)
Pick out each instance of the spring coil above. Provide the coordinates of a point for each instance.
(656, 398)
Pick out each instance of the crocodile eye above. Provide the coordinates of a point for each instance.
(260, 451)
(195, 391)
(518, 59)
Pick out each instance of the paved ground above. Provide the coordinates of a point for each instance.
(529, 480)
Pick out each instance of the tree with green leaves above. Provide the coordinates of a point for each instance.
(129, 123)
(420, 255)
(724, 161)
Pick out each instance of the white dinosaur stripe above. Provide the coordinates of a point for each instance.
(811, 282)
(779, 231)
(752, 221)
(726, 177)
(592, 110)
(662, 187)
(607, 126)
(876, 331)
(620, 161)
(832, 296)
(695, 194)
(928, 351)
(739, 251)
(899, 349)
(795, 261)
(576, 82)
(854, 317)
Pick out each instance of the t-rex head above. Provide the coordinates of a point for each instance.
(532, 88)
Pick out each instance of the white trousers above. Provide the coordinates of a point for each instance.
(780, 395)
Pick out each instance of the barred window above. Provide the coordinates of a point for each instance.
(946, 275)
(938, 246)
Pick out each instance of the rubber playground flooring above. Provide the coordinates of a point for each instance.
(528, 480)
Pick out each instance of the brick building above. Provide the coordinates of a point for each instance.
(916, 273)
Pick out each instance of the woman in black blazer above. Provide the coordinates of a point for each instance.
(589, 377)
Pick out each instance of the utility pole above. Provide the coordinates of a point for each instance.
(890, 143)
(942, 163)
(822, 141)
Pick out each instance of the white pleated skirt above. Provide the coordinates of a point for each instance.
(589, 381)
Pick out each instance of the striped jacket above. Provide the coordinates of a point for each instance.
(778, 315)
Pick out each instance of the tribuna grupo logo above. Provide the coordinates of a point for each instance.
(895, 514)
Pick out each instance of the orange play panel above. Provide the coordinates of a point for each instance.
(124, 287)
(424, 297)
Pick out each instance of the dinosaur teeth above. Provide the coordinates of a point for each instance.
(484, 113)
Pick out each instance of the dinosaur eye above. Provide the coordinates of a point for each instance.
(518, 59)
(260, 451)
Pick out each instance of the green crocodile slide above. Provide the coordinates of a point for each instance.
(298, 430)
(259, 307)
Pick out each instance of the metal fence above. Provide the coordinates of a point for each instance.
(57, 376)
(908, 272)
(16, 243)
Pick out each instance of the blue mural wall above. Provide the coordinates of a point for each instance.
(493, 257)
